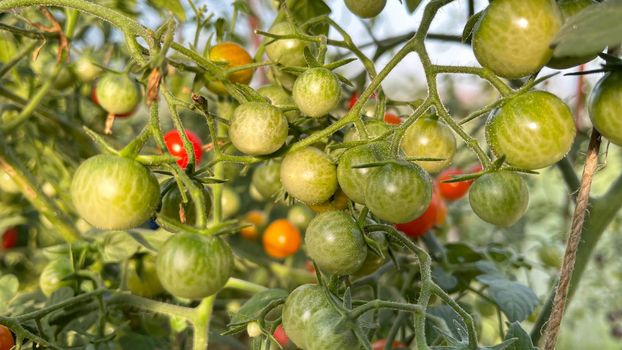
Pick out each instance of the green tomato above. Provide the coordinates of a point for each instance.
(430, 138)
(605, 104)
(570, 8)
(499, 198)
(335, 242)
(172, 201)
(300, 215)
(54, 274)
(117, 93)
(512, 38)
(354, 180)
(316, 92)
(194, 266)
(398, 193)
(141, 277)
(86, 70)
(278, 76)
(114, 193)
(301, 304)
(550, 255)
(374, 261)
(45, 63)
(230, 201)
(258, 128)
(533, 130)
(366, 8)
(325, 332)
(309, 175)
(375, 128)
(266, 179)
(280, 99)
(288, 52)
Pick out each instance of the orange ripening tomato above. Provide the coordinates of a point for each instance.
(452, 190)
(281, 239)
(255, 218)
(6, 338)
(426, 221)
(233, 55)
(381, 343)
(392, 119)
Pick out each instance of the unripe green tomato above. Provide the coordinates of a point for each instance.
(366, 8)
(398, 193)
(533, 130)
(309, 175)
(258, 128)
(53, 275)
(325, 332)
(512, 38)
(354, 180)
(266, 179)
(374, 128)
(86, 70)
(301, 304)
(172, 201)
(316, 92)
(286, 80)
(118, 93)
(194, 266)
(300, 215)
(500, 198)
(570, 8)
(430, 138)
(374, 261)
(288, 52)
(255, 195)
(280, 98)
(141, 277)
(230, 202)
(114, 193)
(550, 255)
(605, 106)
(335, 242)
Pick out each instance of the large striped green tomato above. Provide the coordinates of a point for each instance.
(301, 304)
(366, 8)
(335, 242)
(398, 192)
(117, 93)
(258, 128)
(114, 193)
(309, 175)
(194, 266)
(499, 198)
(288, 52)
(430, 138)
(316, 92)
(326, 332)
(533, 130)
(512, 38)
(354, 180)
(605, 106)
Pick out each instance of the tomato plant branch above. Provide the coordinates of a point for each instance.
(483, 73)
(200, 323)
(385, 304)
(245, 286)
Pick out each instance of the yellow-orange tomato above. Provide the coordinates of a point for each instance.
(281, 239)
(234, 56)
(339, 201)
(256, 219)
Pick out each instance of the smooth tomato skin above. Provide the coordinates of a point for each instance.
(175, 147)
(512, 38)
(301, 304)
(258, 128)
(550, 255)
(51, 278)
(374, 127)
(280, 335)
(309, 175)
(86, 70)
(280, 98)
(354, 180)
(500, 198)
(533, 130)
(194, 266)
(141, 277)
(430, 138)
(172, 201)
(366, 8)
(233, 55)
(114, 193)
(335, 242)
(452, 190)
(10, 238)
(288, 52)
(381, 343)
(117, 93)
(316, 92)
(300, 215)
(605, 104)
(281, 239)
(6, 338)
(398, 193)
(425, 222)
(325, 333)
(267, 179)
(230, 202)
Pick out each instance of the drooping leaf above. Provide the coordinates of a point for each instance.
(467, 32)
(253, 306)
(515, 300)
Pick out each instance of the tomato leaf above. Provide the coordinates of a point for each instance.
(523, 341)
(304, 10)
(467, 32)
(516, 300)
(116, 246)
(411, 5)
(174, 6)
(590, 31)
(253, 307)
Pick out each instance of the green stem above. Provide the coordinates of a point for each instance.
(70, 23)
(246, 286)
(385, 304)
(200, 323)
(483, 73)
(150, 305)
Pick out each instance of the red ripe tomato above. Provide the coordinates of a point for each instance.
(10, 238)
(6, 338)
(175, 147)
(392, 119)
(280, 335)
(381, 343)
(353, 99)
(426, 221)
(452, 190)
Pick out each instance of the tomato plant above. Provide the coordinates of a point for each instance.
(281, 239)
(175, 146)
(309, 175)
